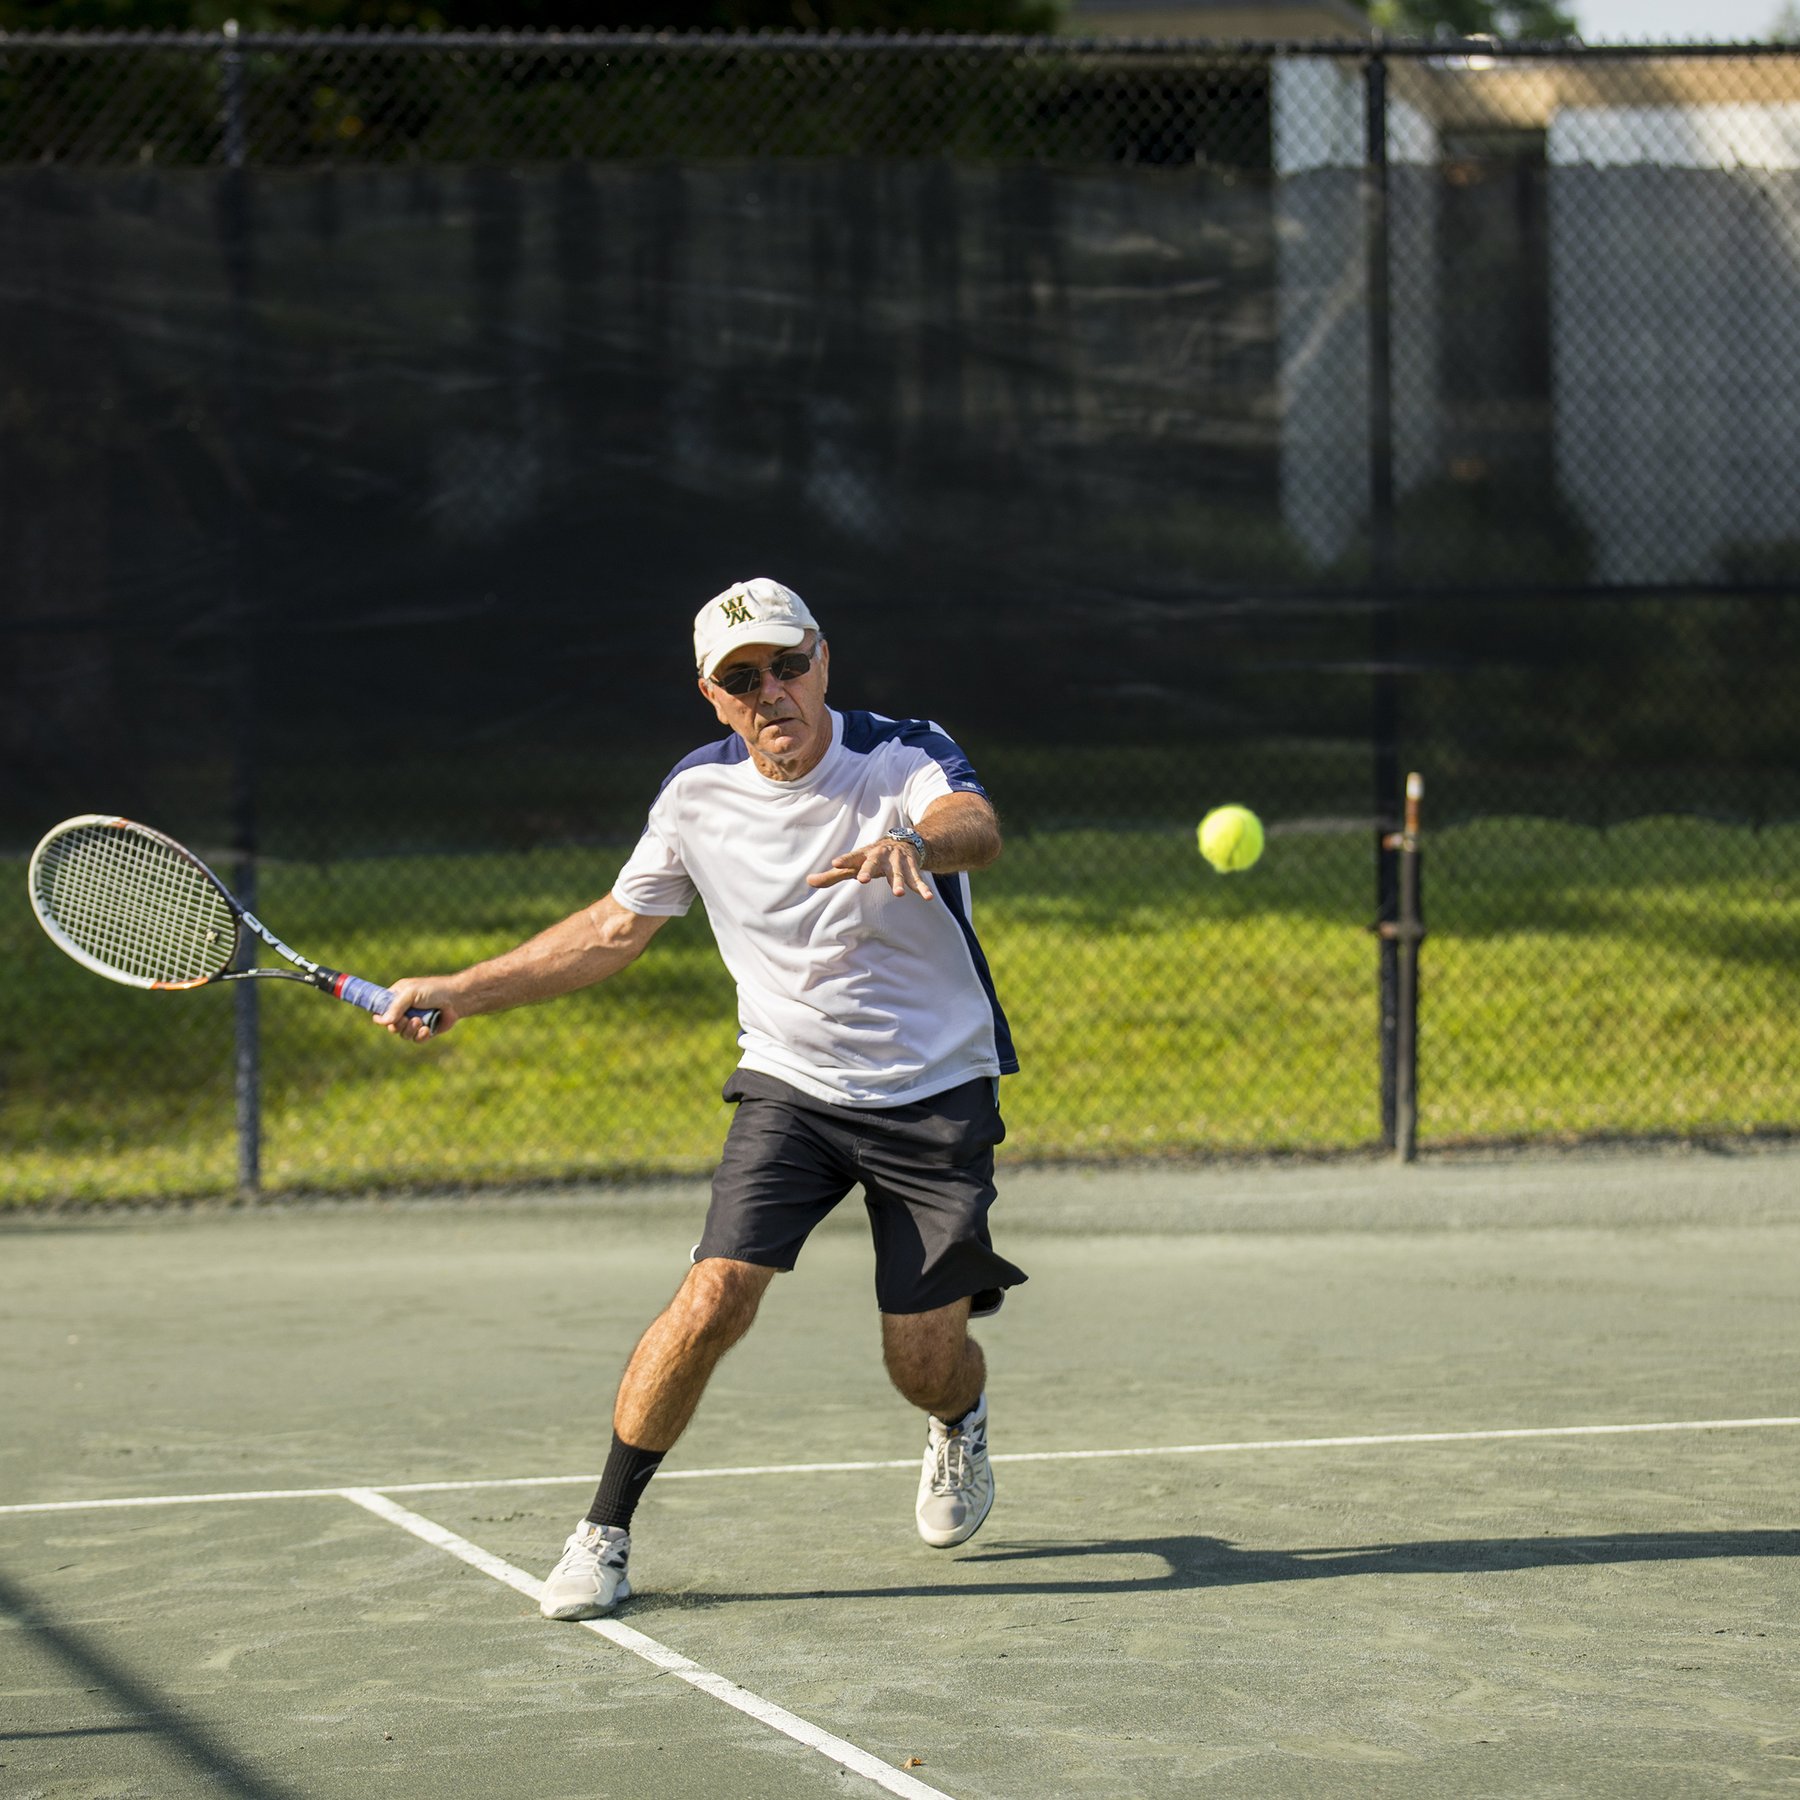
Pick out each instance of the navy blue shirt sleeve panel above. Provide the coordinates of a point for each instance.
(732, 749)
(863, 731)
(727, 750)
(952, 893)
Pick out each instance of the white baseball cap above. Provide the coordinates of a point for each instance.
(759, 611)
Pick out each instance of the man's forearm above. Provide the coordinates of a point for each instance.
(581, 950)
(960, 832)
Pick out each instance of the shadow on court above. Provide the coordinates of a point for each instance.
(1206, 1562)
(149, 1714)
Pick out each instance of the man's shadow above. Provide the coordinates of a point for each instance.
(1176, 1563)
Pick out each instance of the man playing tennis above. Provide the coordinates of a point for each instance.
(832, 851)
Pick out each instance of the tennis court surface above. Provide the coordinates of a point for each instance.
(1475, 1477)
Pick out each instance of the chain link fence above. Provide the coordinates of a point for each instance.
(1175, 423)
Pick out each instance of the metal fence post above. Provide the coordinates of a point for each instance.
(234, 233)
(1405, 935)
(1384, 723)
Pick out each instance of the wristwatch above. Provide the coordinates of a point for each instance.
(904, 834)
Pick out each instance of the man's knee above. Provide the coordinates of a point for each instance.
(716, 1304)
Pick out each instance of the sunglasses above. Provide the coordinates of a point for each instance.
(742, 680)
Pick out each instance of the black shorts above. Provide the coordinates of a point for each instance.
(927, 1174)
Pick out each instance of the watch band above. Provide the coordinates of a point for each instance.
(904, 834)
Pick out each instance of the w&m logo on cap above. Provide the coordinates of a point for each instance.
(736, 610)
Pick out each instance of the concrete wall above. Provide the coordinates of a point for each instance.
(1675, 296)
(1322, 313)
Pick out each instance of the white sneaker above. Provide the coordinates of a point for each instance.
(956, 1483)
(590, 1579)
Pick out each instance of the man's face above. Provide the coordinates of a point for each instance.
(785, 723)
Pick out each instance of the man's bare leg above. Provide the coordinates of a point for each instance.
(668, 1372)
(675, 1358)
(932, 1359)
(934, 1362)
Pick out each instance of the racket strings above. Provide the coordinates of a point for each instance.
(136, 904)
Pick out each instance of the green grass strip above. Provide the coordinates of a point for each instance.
(1640, 981)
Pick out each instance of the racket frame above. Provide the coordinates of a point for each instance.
(328, 981)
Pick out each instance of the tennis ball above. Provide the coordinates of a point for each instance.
(1231, 837)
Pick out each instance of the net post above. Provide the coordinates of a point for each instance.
(1387, 882)
(1399, 936)
(1408, 932)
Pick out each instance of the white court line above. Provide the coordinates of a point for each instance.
(765, 1712)
(912, 1462)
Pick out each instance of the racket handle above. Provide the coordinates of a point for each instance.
(374, 999)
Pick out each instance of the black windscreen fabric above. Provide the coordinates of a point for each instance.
(388, 490)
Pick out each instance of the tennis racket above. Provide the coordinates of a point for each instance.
(134, 906)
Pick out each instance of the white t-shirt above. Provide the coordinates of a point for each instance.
(850, 993)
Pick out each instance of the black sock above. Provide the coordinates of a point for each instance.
(622, 1483)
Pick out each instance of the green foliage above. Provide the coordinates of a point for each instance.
(1534, 20)
(531, 15)
(112, 15)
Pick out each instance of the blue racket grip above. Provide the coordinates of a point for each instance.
(374, 999)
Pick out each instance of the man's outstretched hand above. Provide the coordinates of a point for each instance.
(887, 859)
